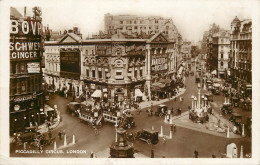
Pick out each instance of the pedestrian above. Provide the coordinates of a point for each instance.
(95, 130)
(59, 134)
(196, 154)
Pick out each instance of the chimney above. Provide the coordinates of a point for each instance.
(24, 12)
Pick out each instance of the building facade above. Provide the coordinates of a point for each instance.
(221, 51)
(26, 96)
(186, 50)
(113, 70)
(241, 54)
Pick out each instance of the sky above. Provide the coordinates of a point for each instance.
(191, 18)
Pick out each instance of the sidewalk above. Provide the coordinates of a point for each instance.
(210, 127)
(43, 128)
(146, 104)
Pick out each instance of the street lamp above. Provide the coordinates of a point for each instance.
(198, 95)
(192, 102)
(203, 102)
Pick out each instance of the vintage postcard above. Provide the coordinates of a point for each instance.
(130, 79)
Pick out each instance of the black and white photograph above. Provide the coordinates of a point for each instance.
(130, 79)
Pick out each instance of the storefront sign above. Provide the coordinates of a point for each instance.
(25, 27)
(24, 98)
(33, 67)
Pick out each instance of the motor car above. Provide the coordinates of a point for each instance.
(216, 89)
(209, 96)
(235, 101)
(226, 109)
(149, 136)
(128, 121)
(161, 110)
(73, 108)
(236, 119)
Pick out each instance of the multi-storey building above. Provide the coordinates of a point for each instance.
(26, 97)
(241, 54)
(186, 50)
(130, 24)
(115, 69)
(221, 50)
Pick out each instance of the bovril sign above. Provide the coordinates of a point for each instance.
(25, 39)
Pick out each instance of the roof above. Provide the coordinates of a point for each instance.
(236, 19)
(15, 13)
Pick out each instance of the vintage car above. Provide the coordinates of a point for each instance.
(226, 108)
(162, 110)
(28, 135)
(235, 101)
(236, 119)
(216, 89)
(246, 104)
(209, 96)
(73, 108)
(127, 121)
(148, 135)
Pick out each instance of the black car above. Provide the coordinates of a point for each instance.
(226, 109)
(73, 108)
(148, 135)
(162, 110)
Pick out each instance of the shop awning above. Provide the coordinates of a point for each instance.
(97, 93)
(138, 93)
(214, 72)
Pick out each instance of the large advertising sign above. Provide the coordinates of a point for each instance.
(25, 39)
(70, 63)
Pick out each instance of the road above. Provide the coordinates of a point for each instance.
(184, 143)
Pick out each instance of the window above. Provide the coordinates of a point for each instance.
(141, 72)
(118, 73)
(93, 73)
(135, 73)
(121, 22)
(221, 64)
(135, 27)
(150, 27)
(92, 51)
(106, 73)
(99, 74)
(130, 22)
(23, 86)
(87, 72)
(135, 22)
(86, 51)
(22, 67)
(57, 67)
(221, 55)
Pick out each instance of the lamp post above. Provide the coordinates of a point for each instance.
(192, 102)
(195, 103)
(203, 101)
(198, 95)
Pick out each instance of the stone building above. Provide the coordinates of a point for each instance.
(115, 69)
(221, 51)
(26, 96)
(241, 54)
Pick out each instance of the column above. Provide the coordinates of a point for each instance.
(148, 75)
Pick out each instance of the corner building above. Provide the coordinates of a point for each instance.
(26, 96)
(113, 70)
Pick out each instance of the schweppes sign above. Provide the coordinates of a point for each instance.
(25, 41)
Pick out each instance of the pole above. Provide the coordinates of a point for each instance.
(228, 132)
(243, 130)
(55, 146)
(161, 133)
(73, 139)
(241, 152)
(65, 140)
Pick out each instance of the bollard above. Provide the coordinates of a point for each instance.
(170, 137)
(65, 140)
(243, 130)
(73, 139)
(225, 100)
(228, 132)
(241, 152)
(152, 128)
(152, 153)
(165, 119)
(171, 119)
(161, 133)
(55, 146)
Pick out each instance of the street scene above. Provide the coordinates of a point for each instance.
(136, 88)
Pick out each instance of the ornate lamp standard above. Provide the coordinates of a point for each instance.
(198, 95)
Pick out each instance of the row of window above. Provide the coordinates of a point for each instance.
(18, 67)
(138, 22)
(26, 85)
